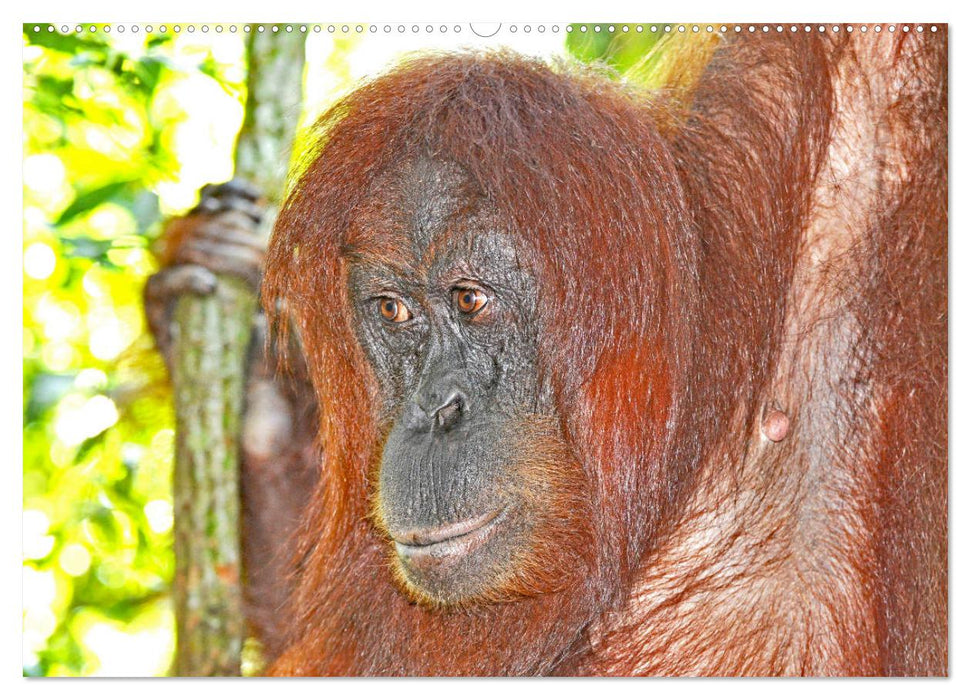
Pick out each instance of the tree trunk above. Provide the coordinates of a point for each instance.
(211, 338)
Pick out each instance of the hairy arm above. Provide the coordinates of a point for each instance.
(816, 169)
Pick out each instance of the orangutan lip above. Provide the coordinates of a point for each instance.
(449, 540)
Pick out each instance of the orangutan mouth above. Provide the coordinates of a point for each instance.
(422, 545)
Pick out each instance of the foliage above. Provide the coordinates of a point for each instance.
(110, 147)
(619, 50)
(661, 57)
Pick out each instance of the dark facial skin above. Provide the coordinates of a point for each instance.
(446, 312)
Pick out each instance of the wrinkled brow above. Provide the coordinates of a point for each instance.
(380, 250)
(414, 217)
(378, 235)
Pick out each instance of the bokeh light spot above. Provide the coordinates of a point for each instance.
(75, 560)
(39, 261)
(159, 515)
(37, 543)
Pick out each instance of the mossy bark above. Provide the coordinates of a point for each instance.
(211, 336)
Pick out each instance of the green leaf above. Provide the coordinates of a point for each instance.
(145, 210)
(85, 247)
(92, 199)
(211, 68)
(156, 40)
(66, 43)
(588, 46)
(619, 50)
(46, 390)
(54, 97)
(89, 444)
(56, 87)
(139, 77)
(148, 69)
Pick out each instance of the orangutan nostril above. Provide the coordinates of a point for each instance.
(449, 414)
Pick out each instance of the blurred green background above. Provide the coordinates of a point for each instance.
(122, 126)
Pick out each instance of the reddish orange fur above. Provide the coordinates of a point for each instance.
(784, 247)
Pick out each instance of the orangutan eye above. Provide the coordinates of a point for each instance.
(393, 310)
(469, 300)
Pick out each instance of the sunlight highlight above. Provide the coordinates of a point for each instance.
(39, 261)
